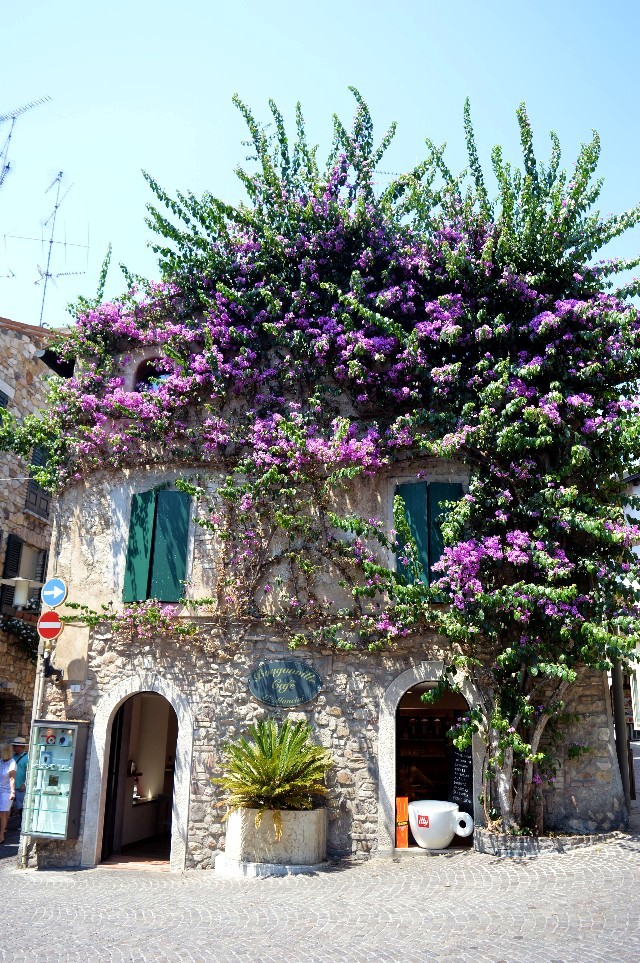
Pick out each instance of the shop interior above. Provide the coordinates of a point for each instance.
(137, 824)
(424, 753)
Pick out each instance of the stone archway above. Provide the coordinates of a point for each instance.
(98, 750)
(423, 672)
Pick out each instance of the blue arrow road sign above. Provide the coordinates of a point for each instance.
(54, 592)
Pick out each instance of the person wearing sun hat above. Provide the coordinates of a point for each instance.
(7, 785)
(21, 758)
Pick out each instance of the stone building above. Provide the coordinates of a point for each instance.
(25, 527)
(160, 708)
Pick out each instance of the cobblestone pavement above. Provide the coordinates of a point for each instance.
(581, 906)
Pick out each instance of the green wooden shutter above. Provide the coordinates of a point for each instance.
(414, 496)
(136, 576)
(169, 564)
(439, 492)
(13, 556)
(39, 457)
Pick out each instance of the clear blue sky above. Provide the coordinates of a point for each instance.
(148, 85)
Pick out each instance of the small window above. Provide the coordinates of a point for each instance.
(22, 561)
(4, 400)
(38, 500)
(423, 505)
(157, 547)
(6, 600)
(150, 375)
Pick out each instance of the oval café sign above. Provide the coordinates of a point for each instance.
(284, 682)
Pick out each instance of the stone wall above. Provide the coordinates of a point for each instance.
(23, 377)
(17, 680)
(586, 794)
(345, 718)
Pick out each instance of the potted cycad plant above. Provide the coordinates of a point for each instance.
(274, 778)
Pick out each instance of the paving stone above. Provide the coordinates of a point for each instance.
(576, 907)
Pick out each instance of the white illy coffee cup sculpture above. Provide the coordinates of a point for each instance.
(434, 823)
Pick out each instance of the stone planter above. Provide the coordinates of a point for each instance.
(500, 844)
(256, 852)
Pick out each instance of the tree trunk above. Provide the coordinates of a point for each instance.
(504, 783)
(527, 776)
(539, 813)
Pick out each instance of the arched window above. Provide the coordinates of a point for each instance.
(150, 375)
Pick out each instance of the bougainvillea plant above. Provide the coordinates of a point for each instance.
(333, 328)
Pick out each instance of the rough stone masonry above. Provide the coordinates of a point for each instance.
(585, 797)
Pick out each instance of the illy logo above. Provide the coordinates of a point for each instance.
(423, 821)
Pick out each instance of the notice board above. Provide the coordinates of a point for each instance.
(461, 779)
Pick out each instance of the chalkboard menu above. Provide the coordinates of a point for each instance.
(461, 779)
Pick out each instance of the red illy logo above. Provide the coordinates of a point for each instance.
(423, 822)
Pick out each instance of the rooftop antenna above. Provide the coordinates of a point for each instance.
(5, 166)
(46, 275)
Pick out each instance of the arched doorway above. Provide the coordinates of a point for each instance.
(428, 765)
(421, 673)
(98, 752)
(140, 781)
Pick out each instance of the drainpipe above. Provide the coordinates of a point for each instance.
(621, 731)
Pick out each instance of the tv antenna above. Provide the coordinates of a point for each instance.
(5, 166)
(47, 275)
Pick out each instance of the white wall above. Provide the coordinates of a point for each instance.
(152, 743)
(150, 724)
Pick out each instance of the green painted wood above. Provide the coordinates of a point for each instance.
(414, 496)
(169, 563)
(139, 548)
(285, 682)
(439, 492)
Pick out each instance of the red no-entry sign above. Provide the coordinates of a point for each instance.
(49, 625)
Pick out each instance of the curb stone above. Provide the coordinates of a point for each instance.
(501, 844)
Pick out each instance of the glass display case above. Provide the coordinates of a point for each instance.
(55, 777)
